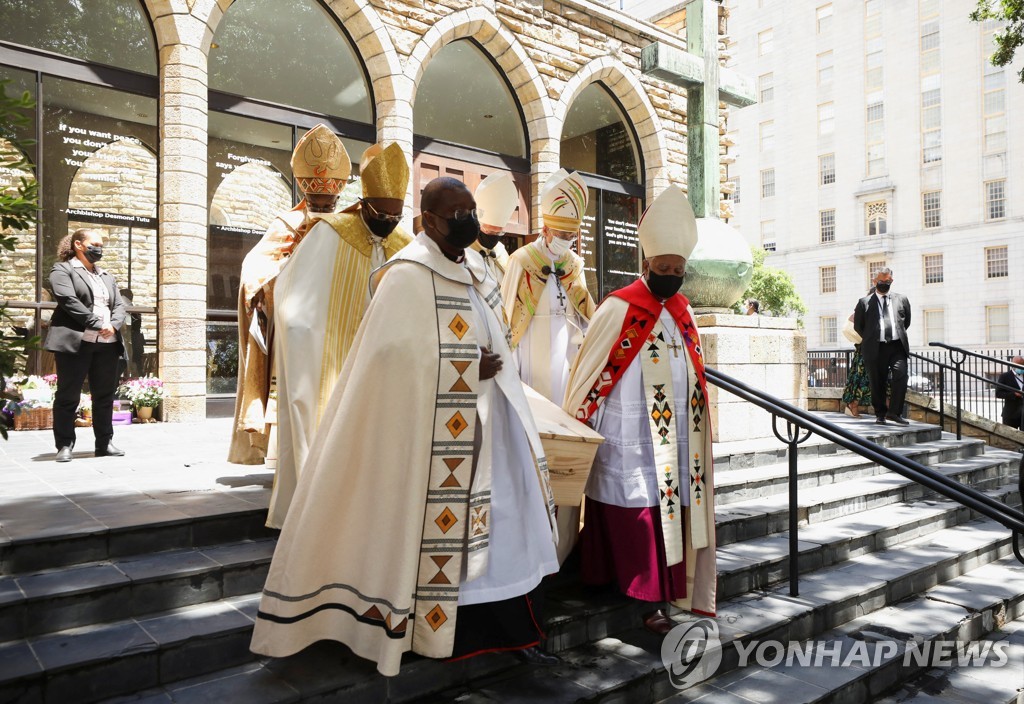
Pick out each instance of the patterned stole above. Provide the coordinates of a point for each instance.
(456, 523)
(533, 280)
(641, 331)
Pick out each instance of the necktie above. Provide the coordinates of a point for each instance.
(885, 317)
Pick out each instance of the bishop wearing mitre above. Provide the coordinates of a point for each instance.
(496, 200)
(639, 381)
(545, 293)
(321, 297)
(320, 182)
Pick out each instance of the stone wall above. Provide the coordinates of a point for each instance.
(18, 275)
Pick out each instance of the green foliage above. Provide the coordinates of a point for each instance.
(1011, 37)
(773, 289)
(19, 207)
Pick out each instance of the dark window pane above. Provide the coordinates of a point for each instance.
(101, 173)
(463, 99)
(18, 268)
(221, 358)
(110, 32)
(596, 138)
(292, 54)
(621, 261)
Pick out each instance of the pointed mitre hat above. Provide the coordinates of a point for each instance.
(496, 199)
(384, 172)
(320, 163)
(668, 225)
(563, 201)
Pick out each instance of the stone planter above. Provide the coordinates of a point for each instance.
(144, 412)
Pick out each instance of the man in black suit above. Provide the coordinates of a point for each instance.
(1013, 402)
(882, 319)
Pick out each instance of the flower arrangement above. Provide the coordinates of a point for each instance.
(31, 392)
(144, 392)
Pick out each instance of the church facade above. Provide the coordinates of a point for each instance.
(174, 140)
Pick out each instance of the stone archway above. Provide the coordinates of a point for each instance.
(625, 85)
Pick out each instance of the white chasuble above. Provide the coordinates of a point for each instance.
(320, 298)
(388, 514)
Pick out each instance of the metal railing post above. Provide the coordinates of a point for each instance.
(942, 399)
(795, 435)
(958, 363)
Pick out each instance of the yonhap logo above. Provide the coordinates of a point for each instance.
(691, 652)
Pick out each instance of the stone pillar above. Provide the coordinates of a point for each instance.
(183, 40)
(767, 353)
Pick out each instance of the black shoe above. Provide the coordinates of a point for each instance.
(109, 451)
(536, 656)
(64, 454)
(879, 421)
(898, 420)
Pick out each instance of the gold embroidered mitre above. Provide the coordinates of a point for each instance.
(563, 201)
(384, 172)
(668, 225)
(320, 163)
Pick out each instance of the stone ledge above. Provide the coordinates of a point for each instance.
(730, 320)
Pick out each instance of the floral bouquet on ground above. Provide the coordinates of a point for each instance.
(145, 392)
(30, 392)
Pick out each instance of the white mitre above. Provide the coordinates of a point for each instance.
(496, 199)
(563, 201)
(668, 226)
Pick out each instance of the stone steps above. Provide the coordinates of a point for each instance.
(105, 622)
(758, 517)
(820, 470)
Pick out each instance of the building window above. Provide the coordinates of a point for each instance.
(826, 119)
(997, 262)
(766, 87)
(828, 330)
(825, 68)
(995, 200)
(876, 217)
(826, 169)
(875, 133)
(997, 324)
(932, 204)
(768, 183)
(873, 269)
(827, 225)
(994, 106)
(931, 124)
(872, 18)
(875, 70)
(764, 42)
(736, 190)
(767, 135)
(827, 276)
(929, 36)
(768, 235)
(934, 326)
(933, 270)
(824, 14)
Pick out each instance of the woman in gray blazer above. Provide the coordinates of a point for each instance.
(85, 338)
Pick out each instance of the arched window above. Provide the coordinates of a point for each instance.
(598, 140)
(468, 124)
(296, 56)
(109, 32)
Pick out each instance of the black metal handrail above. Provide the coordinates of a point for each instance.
(958, 355)
(802, 424)
(943, 368)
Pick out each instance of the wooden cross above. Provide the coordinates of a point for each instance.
(697, 70)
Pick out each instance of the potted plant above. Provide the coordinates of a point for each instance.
(145, 394)
(30, 404)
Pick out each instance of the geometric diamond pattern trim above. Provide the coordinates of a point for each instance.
(458, 326)
(456, 424)
(446, 520)
(437, 617)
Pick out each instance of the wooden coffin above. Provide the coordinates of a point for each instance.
(570, 447)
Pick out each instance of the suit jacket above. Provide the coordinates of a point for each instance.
(1013, 405)
(74, 313)
(866, 317)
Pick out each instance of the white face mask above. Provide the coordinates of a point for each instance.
(559, 247)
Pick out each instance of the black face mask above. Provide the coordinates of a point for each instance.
(882, 287)
(488, 241)
(93, 253)
(664, 285)
(381, 228)
(462, 233)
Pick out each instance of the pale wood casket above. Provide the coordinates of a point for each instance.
(569, 445)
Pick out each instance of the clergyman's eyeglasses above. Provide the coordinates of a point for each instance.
(377, 215)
